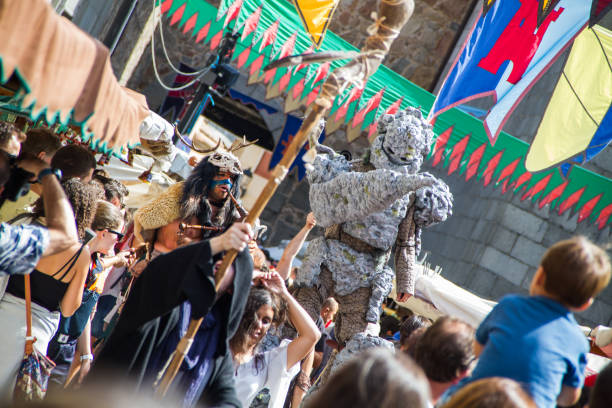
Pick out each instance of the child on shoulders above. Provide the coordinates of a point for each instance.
(535, 339)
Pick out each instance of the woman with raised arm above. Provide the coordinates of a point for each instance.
(273, 369)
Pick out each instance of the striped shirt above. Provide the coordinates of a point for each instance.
(21, 246)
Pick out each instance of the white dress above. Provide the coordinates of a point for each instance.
(274, 375)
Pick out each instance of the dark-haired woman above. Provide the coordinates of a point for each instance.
(274, 368)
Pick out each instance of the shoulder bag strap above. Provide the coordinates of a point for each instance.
(29, 344)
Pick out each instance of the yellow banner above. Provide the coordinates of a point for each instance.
(316, 16)
(579, 103)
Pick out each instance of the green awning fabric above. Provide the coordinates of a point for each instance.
(272, 29)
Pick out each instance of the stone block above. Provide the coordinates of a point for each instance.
(503, 287)
(457, 272)
(599, 312)
(503, 265)
(528, 251)
(523, 222)
(482, 282)
(502, 238)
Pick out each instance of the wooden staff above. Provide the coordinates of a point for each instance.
(392, 16)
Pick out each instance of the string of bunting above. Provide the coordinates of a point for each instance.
(461, 144)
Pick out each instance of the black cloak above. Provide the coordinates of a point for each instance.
(151, 313)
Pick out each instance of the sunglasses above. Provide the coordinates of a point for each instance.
(119, 235)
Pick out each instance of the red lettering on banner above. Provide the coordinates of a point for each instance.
(519, 41)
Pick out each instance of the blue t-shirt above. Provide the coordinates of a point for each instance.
(535, 341)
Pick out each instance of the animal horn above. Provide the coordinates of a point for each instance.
(242, 144)
(192, 147)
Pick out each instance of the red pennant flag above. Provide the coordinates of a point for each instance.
(571, 200)
(288, 46)
(298, 88)
(441, 142)
(178, 14)
(457, 154)
(539, 186)
(269, 36)
(166, 5)
(243, 57)
(392, 110)
(189, 24)
(487, 175)
(232, 12)
(202, 33)
(554, 194)
(250, 25)
(216, 40)
(587, 208)
(343, 109)
(474, 163)
(506, 173)
(372, 104)
(312, 96)
(604, 216)
(523, 178)
(322, 72)
(284, 81)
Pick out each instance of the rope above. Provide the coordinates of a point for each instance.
(156, 72)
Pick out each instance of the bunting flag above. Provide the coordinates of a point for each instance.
(501, 166)
(577, 123)
(507, 51)
(316, 16)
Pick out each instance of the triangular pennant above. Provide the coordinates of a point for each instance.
(250, 25)
(604, 216)
(321, 72)
(544, 9)
(189, 24)
(316, 16)
(441, 141)
(457, 154)
(178, 14)
(288, 47)
(232, 12)
(224, 6)
(202, 33)
(243, 57)
(269, 36)
(553, 195)
(474, 163)
(588, 207)
(537, 188)
(487, 175)
(571, 200)
(372, 104)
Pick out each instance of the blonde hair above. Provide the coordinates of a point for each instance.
(107, 217)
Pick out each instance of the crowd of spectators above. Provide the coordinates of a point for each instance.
(110, 306)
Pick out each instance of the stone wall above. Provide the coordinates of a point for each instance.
(421, 49)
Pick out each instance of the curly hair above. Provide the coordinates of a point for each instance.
(258, 296)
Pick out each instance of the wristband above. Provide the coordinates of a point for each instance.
(45, 172)
(87, 357)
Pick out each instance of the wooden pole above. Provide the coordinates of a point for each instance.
(393, 15)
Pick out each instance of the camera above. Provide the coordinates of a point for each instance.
(18, 183)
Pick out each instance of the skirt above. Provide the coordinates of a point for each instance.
(12, 338)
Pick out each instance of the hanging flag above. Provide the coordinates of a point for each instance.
(507, 52)
(578, 119)
(316, 16)
(292, 125)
